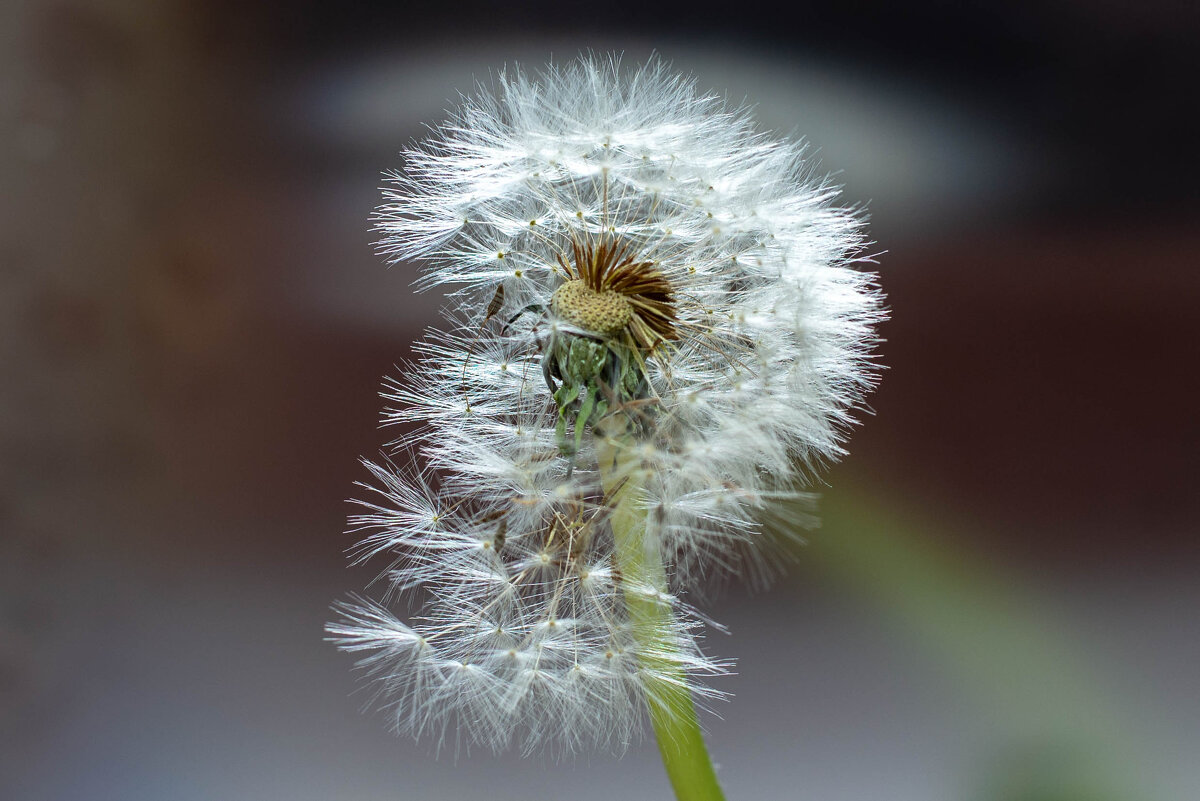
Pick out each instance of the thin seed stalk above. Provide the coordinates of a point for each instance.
(672, 711)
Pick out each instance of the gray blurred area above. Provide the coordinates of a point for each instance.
(1002, 603)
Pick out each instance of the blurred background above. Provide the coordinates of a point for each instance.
(1002, 603)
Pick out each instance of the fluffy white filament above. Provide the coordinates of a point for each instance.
(524, 638)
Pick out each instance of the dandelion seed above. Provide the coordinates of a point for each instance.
(660, 331)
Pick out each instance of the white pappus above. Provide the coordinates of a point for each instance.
(622, 247)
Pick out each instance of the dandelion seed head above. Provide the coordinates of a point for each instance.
(614, 243)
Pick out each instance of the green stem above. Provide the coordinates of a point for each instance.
(672, 712)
